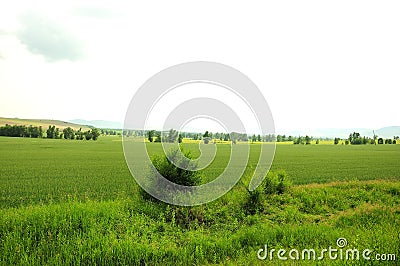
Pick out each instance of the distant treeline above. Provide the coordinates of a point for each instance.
(51, 133)
(172, 136)
(110, 132)
(356, 139)
(21, 131)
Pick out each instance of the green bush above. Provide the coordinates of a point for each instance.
(254, 202)
(180, 172)
(174, 172)
(276, 183)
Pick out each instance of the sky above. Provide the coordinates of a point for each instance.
(319, 64)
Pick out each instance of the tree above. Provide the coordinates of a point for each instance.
(298, 140)
(88, 135)
(253, 138)
(180, 138)
(388, 141)
(172, 136)
(308, 140)
(57, 133)
(158, 137)
(68, 133)
(375, 137)
(150, 135)
(259, 138)
(336, 141)
(79, 134)
(206, 134)
(95, 134)
(50, 133)
(226, 137)
(380, 141)
(317, 141)
(355, 138)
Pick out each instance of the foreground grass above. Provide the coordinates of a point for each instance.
(75, 202)
(135, 232)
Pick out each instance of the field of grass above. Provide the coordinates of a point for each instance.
(75, 202)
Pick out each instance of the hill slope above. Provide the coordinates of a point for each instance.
(99, 123)
(45, 123)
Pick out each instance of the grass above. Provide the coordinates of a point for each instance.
(74, 202)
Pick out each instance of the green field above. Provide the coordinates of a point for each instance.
(75, 202)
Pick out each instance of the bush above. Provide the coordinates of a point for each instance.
(254, 202)
(276, 183)
(172, 172)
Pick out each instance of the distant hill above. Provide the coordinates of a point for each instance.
(45, 123)
(388, 132)
(98, 123)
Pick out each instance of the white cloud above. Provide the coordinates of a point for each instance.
(49, 39)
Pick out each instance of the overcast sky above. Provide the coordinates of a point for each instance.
(319, 64)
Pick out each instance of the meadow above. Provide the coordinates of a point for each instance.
(75, 202)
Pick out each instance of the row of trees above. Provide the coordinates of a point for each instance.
(52, 132)
(21, 131)
(69, 133)
(356, 139)
(172, 136)
(110, 132)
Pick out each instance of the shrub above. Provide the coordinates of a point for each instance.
(276, 183)
(175, 173)
(254, 202)
(180, 173)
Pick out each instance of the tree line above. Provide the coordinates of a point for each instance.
(21, 131)
(52, 132)
(174, 136)
(69, 133)
(356, 139)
